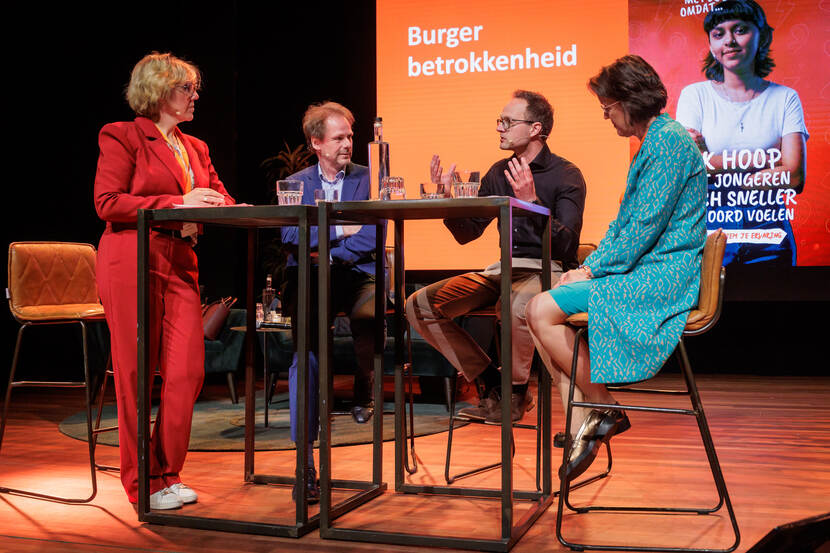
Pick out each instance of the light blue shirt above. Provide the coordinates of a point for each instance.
(329, 186)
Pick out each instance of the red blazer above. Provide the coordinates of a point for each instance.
(137, 170)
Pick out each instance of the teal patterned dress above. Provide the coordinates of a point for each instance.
(647, 267)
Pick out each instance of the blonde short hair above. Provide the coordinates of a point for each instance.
(154, 77)
(314, 120)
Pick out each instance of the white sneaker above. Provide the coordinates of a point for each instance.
(165, 499)
(184, 492)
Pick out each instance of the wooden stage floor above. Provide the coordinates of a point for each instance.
(772, 435)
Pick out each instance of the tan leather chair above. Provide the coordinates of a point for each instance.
(700, 320)
(584, 250)
(53, 283)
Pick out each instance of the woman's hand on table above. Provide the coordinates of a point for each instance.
(203, 197)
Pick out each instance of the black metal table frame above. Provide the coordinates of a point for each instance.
(250, 218)
(266, 374)
(373, 212)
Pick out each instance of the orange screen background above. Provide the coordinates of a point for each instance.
(454, 115)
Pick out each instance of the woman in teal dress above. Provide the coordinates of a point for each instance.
(642, 280)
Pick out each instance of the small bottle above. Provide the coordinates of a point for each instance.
(378, 160)
(267, 295)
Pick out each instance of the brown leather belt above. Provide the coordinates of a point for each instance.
(175, 233)
(118, 227)
(172, 232)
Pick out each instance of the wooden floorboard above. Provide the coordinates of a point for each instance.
(772, 435)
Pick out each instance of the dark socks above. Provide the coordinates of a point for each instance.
(490, 378)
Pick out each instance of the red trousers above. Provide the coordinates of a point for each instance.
(176, 348)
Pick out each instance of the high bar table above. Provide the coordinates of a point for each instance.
(373, 212)
(250, 218)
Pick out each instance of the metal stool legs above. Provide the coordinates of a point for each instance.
(717, 474)
(96, 429)
(452, 418)
(87, 396)
(409, 450)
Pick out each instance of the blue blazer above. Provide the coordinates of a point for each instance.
(358, 249)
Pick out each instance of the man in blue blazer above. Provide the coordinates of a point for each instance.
(328, 132)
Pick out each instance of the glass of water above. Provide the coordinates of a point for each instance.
(392, 188)
(466, 176)
(465, 189)
(289, 192)
(323, 195)
(428, 194)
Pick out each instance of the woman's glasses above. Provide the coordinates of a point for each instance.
(188, 88)
(605, 109)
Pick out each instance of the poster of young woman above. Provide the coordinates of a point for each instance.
(751, 80)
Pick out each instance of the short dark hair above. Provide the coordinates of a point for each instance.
(539, 110)
(742, 10)
(635, 84)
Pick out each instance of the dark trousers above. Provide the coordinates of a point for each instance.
(352, 293)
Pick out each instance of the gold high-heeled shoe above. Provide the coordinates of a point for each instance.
(596, 429)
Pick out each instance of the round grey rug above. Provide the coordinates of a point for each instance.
(219, 425)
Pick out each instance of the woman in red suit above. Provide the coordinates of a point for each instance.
(149, 163)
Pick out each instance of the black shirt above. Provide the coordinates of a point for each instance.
(559, 187)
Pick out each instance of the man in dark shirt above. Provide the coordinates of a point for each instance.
(533, 174)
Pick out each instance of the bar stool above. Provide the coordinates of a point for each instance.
(699, 321)
(53, 283)
(583, 251)
(489, 313)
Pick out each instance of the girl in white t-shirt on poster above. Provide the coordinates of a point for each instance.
(752, 135)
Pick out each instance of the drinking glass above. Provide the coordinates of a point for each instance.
(466, 176)
(392, 188)
(289, 192)
(465, 189)
(428, 195)
(323, 195)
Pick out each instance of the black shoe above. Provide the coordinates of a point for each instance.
(361, 414)
(596, 430)
(312, 489)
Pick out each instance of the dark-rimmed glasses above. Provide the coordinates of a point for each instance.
(506, 122)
